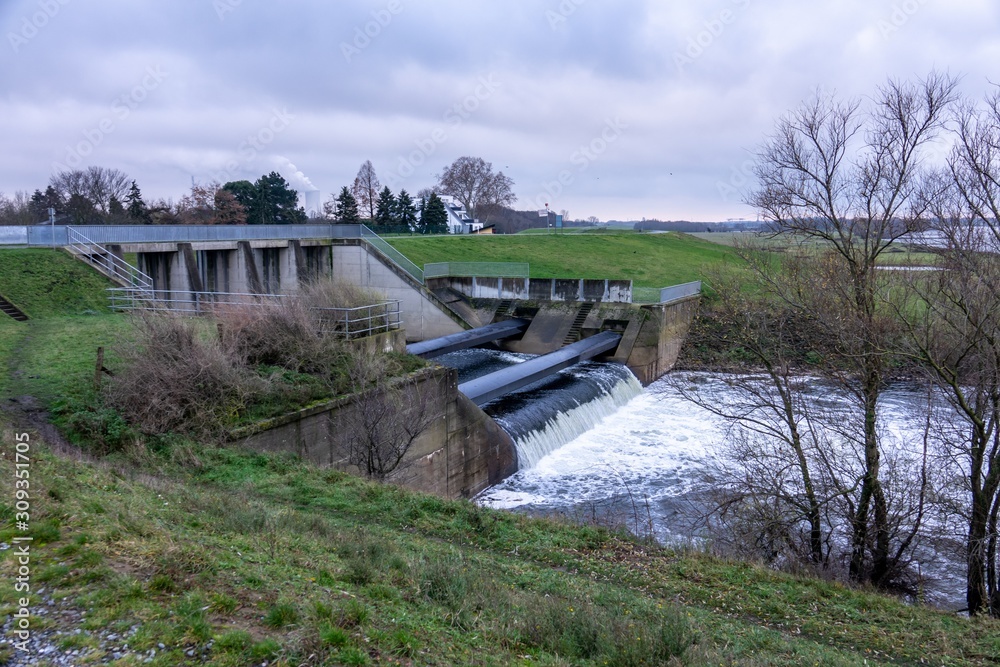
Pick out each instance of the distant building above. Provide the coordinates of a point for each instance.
(459, 220)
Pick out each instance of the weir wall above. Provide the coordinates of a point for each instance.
(460, 452)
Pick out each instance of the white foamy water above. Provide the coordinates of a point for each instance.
(656, 445)
(564, 427)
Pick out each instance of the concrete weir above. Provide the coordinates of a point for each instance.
(462, 450)
(484, 389)
(435, 347)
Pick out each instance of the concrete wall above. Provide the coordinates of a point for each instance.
(658, 343)
(461, 451)
(423, 315)
(538, 289)
(652, 335)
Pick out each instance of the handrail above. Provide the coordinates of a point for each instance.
(110, 262)
(349, 323)
(401, 260)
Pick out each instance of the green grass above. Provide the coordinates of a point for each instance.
(262, 552)
(43, 282)
(52, 356)
(272, 559)
(649, 260)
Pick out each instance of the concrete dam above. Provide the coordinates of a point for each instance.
(566, 335)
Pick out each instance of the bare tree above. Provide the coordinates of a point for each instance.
(846, 175)
(774, 447)
(17, 210)
(366, 188)
(954, 327)
(385, 421)
(210, 204)
(471, 181)
(98, 184)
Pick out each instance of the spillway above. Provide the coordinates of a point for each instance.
(550, 412)
(484, 389)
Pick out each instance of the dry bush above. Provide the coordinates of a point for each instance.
(284, 334)
(175, 376)
(339, 294)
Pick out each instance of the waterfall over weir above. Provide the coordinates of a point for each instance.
(547, 414)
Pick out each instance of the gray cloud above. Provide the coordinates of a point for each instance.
(399, 82)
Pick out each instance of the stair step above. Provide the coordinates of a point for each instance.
(503, 310)
(11, 310)
(573, 334)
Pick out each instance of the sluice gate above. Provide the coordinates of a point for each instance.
(484, 389)
(435, 347)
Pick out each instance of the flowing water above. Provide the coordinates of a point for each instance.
(594, 446)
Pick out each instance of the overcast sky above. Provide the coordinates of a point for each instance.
(620, 110)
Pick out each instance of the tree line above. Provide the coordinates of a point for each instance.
(840, 182)
(101, 195)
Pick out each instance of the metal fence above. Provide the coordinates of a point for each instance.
(360, 322)
(47, 235)
(349, 323)
(399, 258)
(476, 269)
(680, 291)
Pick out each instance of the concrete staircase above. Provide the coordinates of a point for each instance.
(9, 309)
(573, 335)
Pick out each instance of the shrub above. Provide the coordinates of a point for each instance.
(176, 378)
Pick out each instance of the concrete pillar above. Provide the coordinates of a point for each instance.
(292, 269)
(246, 275)
(184, 278)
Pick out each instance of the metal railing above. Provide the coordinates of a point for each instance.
(477, 270)
(680, 291)
(347, 323)
(112, 265)
(46, 235)
(360, 322)
(394, 255)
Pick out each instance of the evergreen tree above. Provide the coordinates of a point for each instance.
(385, 212)
(136, 211)
(347, 208)
(277, 203)
(269, 201)
(81, 210)
(39, 211)
(41, 202)
(406, 212)
(116, 212)
(246, 195)
(434, 217)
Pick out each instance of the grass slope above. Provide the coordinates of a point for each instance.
(43, 282)
(238, 558)
(52, 356)
(649, 260)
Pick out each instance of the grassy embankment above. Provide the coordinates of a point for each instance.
(648, 260)
(52, 356)
(239, 558)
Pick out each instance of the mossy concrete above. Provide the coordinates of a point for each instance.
(460, 452)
